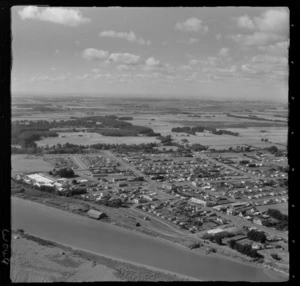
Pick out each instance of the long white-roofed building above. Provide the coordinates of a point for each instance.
(40, 179)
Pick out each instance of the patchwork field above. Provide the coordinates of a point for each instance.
(162, 115)
(274, 134)
(223, 141)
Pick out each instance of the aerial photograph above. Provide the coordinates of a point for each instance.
(149, 144)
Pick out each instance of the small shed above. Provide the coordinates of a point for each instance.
(96, 214)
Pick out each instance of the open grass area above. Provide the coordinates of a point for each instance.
(283, 207)
(94, 138)
(28, 163)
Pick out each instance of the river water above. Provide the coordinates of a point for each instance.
(109, 240)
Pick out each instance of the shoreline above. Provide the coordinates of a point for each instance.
(108, 261)
(222, 254)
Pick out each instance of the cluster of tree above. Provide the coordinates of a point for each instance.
(65, 193)
(193, 130)
(244, 249)
(27, 135)
(59, 149)
(253, 117)
(33, 150)
(244, 162)
(166, 140)
(283, 169)
(258, 236)
(194, 245)
(133, 130)
(115, 132)
(144, 147)
(281, 223)
(64, 172)
(264, 140)
(283, 182)
(277, 215)
(48, 189)
(114, 203)
(94, 122)
(126, 118)
(275, 256)
(228, 132)
(222, 131)
(198, 147)
(217, 238)
(274, 150)
(188, 130)
(73, 192)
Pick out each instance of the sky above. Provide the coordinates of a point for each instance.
(217, 52)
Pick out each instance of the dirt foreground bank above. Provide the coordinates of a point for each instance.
(38, 260)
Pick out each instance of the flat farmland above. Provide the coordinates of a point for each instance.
(27, 163)
(221, 120)
(273, 134)
(82, 138)
(160, 124)
(221, 141)
(50, 116)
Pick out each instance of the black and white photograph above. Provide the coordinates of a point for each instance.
(149, 144)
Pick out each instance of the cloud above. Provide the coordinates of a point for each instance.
(124, 67)
(152, 62)
(118, 58)
(280, 48)
(209, 61)
(193, 41)
(271, 21)
(266, 65)
(191, 25)
(269, 28)
(124, 58)
(257, 39)
(96, 70)
(94, 54)
(48, 79)
(269, 59)
(131, 37)
(63, 16)
(245, 22)
(224, 52)
(193, 62)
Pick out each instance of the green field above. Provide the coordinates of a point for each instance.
(94, 138)
(283, 207)
(26, 164)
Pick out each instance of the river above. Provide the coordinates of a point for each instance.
(109, 240)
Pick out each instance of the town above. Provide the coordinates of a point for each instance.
(224, 198)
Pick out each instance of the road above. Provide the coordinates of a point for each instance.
(213, 160)
(159, 220)
(234, 219)
(152, 185)
(79, 163)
